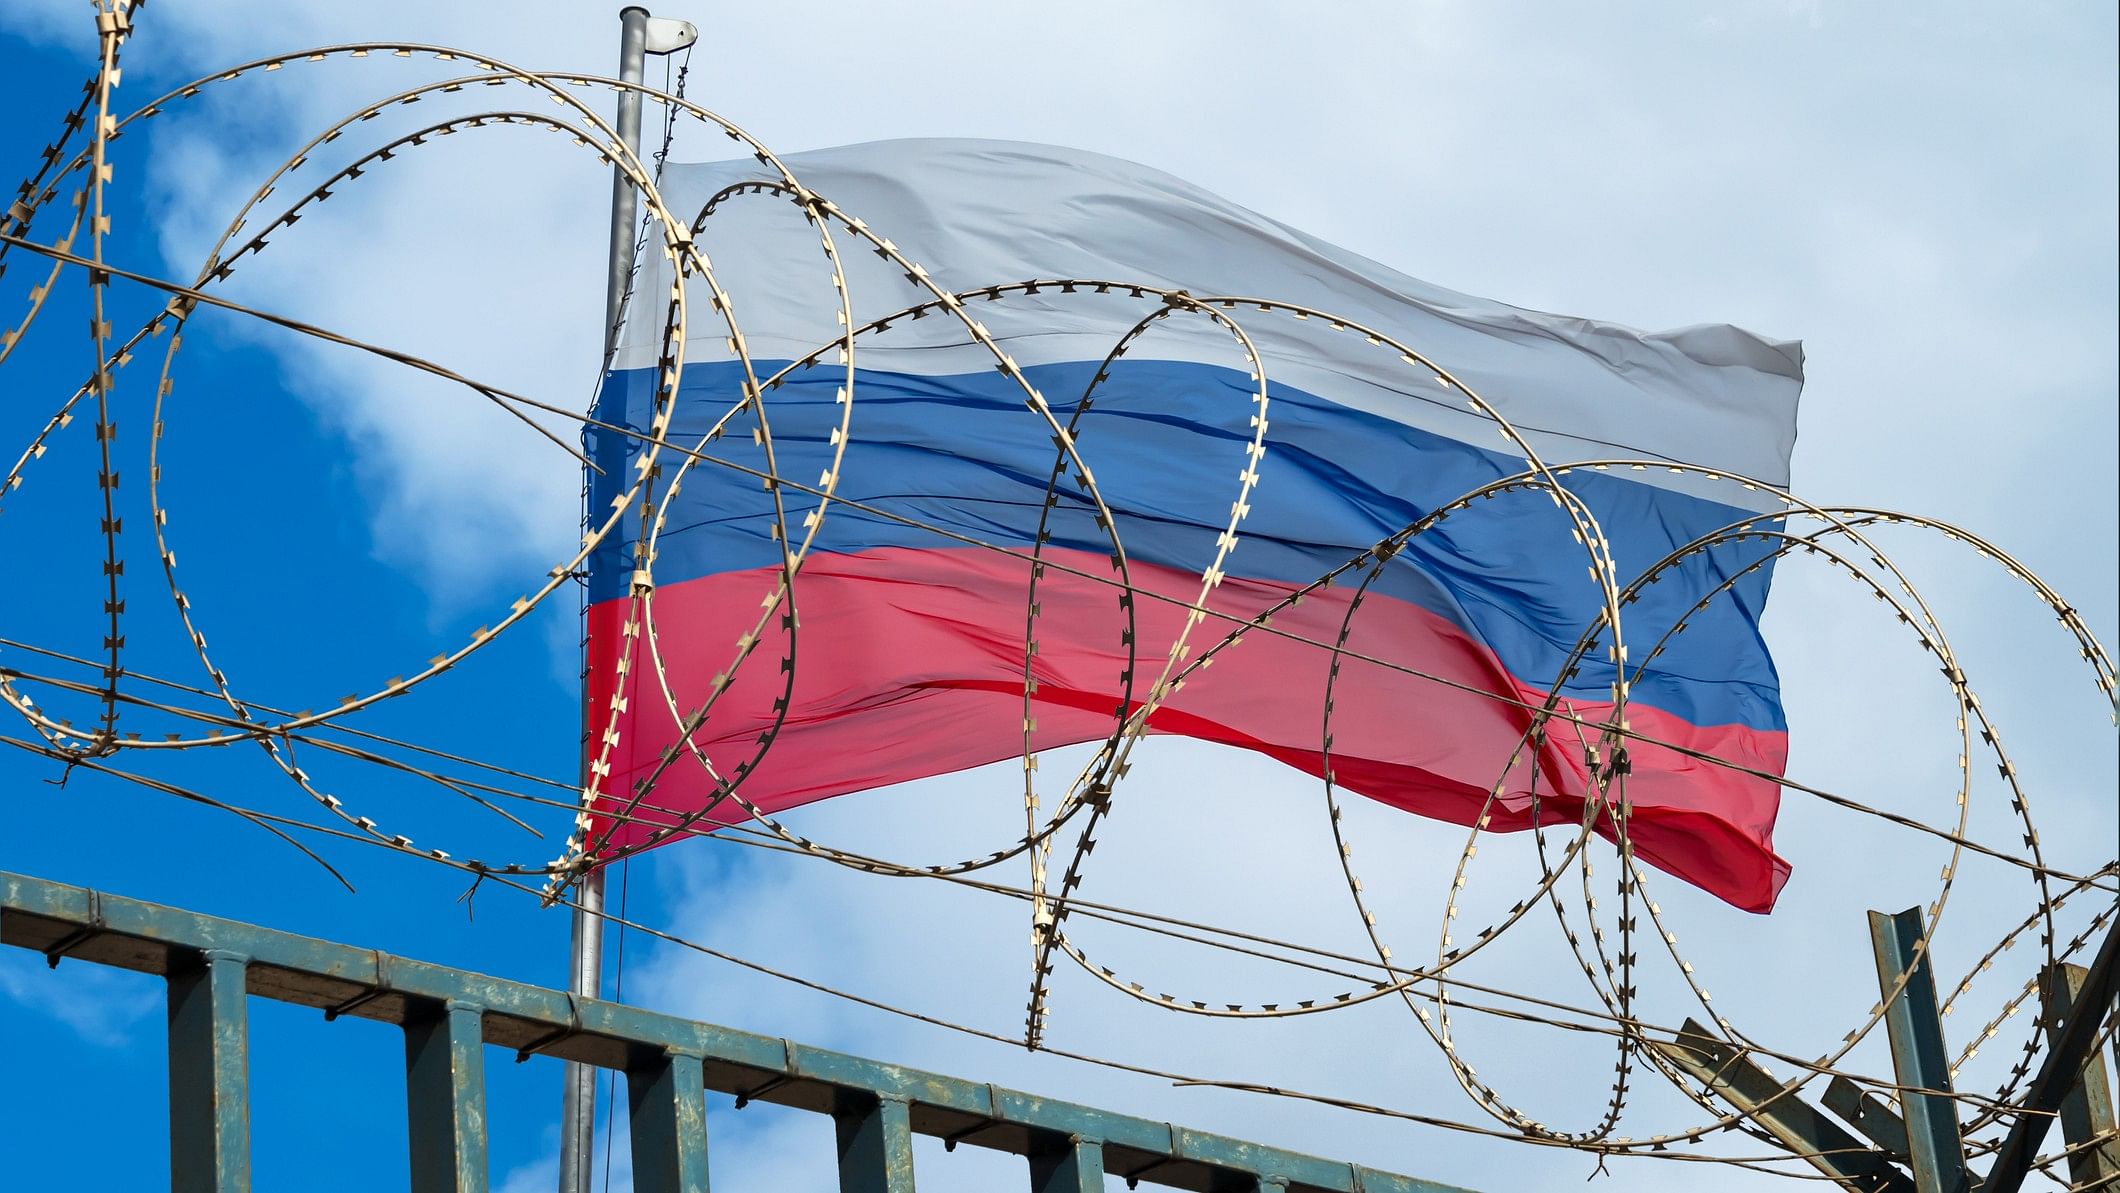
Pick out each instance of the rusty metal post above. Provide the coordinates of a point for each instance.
(1791, 1120)
(209, 1074)
(2087, 1108)
(445, 1098)
(2073, 1044)
(1867, 1115)
(1919, 1060)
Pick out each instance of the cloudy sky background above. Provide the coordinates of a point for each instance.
(1926, 198)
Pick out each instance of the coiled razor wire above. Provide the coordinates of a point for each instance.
(1607, 948)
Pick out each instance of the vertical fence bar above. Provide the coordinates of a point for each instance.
(1918, 1056)
(445, 1098)
(667, 1097)
(209, 1074)
(875, 1144)
(1067, 1164)
(2087, 1108)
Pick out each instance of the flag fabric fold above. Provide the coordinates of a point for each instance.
(912, 606)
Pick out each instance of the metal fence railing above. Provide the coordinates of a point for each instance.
(214, 966)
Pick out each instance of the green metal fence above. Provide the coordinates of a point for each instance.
(214, 966)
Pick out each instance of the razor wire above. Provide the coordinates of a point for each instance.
(1060, 835)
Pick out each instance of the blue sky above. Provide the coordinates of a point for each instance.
(1927, 200)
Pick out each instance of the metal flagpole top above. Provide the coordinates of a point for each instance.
(664, 35)
(640, 34)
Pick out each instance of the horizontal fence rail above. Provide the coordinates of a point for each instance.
(213, 966)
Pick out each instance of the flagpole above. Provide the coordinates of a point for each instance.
(639, 35)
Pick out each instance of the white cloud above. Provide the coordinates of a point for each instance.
(539, 1176)
(97, 1003)
(476, 261)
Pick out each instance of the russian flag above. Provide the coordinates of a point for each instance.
(912, 605)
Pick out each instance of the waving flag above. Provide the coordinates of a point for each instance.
(912, 606)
